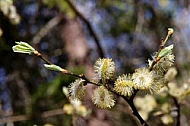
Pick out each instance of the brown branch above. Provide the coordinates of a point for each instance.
(11, 119)
(156, 58)
(63, 71)
(38, 54)
(44, 30)
(82, 77)
(134, 111)
(129, 101)
(177, 110)
(79, 14)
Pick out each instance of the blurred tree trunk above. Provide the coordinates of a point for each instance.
(77, 50)
(75, 41)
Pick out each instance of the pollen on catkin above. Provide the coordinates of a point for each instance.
(158, 84)
(102, 98)
(124, 85)
(104, 69)
(162, 66)
(143, 78)
(77, 89)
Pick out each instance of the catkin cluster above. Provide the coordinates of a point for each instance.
(149, 79)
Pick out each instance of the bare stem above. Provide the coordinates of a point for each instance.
(177, 110)
(36, 53)
(156, 59)
(134, 111)
(82, 77)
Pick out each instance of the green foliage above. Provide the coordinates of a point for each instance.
(50, 90)
(62, 5)
(124, 17)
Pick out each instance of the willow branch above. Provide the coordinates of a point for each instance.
(129, 101)
(18, 118)
(177, 110)
(38, 54)
(92, 32)
(63, 71)
(135, 112)
(163, 42)
(82, 77)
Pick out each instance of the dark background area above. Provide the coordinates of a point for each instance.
(74, 35)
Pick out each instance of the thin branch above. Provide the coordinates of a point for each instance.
(156, 59)
(135, 112)
(129, 101)
(92, 32)
(82, 77)
(44, 30)
(63, 71)
(177, 110)
(38, 54)
(11, 119)
(134, 94)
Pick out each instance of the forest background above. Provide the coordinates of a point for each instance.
(74, 34)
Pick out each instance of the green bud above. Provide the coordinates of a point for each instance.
(23, 47)
(53, 67)
(165, 51)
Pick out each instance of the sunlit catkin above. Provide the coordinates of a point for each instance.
(77, 89)
(143, 78)
(124, 85)
(104, 69)
(102, 98)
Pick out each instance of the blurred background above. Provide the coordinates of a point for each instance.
(74, 34)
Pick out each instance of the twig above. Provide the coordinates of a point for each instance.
(44, 30)
(38, 54)
(135, 112)
(83, 77)
(156, 59)
(130, 100)
(101, 53)
(177, 110)
(11, 119)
